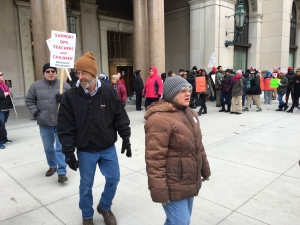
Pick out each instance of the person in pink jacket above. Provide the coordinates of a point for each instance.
(119, 88)
(153, 87)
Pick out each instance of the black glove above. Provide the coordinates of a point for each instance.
(72, 162)
(126, 146)
(205, 178)
(36, 113)
(59, 98)
(124, 104)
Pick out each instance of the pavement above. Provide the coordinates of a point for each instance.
(253, 157)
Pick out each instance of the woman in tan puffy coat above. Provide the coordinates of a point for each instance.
(175, 156)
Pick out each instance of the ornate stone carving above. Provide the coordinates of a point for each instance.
(22, 4)
(253, 5)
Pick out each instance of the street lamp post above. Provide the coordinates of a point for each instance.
(239, 22)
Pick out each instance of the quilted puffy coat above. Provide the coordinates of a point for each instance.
(175, 156)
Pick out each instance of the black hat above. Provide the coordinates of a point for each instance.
(228, 70)
(47, 66)
(194, 68)
(137, 72)
(181, 70)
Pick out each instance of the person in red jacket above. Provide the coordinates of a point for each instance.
(153, 87)
(119, 88)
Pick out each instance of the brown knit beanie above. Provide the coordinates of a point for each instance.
(87, 63)
(115, 77)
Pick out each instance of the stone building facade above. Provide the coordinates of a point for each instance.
(126, 35)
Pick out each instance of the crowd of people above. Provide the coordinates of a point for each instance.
(79, 126)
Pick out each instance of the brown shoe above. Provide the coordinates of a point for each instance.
(62, 178)
(50, 172)
(108, 216)
(87, 222)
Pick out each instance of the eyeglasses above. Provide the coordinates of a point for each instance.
(84, 74)
(50, 71)
(1, 74)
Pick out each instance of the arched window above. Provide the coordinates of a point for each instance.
(242, 45)
(293, 31)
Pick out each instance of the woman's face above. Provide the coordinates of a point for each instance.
(113, 81)
(183, 97)
(150, 72)
(203, 73)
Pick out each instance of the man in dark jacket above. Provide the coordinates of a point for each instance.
(290, 76)
(90, 115)
(296, 82)
(245, 80)
(226, 88)
(218, 79)
(253, 92)
(42, 101)
(191, 79)
(138, 87)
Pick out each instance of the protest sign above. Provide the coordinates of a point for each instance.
(212, 60)
(62, 48)
(274, 83)
(267, 83)
(200, 84)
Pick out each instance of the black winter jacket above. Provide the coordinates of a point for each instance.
(138, 84)
(255, 87)
(5, 103)
(290, 78)
(296, 87)
(91, 123)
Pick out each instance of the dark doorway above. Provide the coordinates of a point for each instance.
(127, 73)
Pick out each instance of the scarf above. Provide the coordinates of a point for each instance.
(236, 78)
(4, 87)
(249, 82)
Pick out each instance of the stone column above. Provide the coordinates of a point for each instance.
(275, 41)
(39, 40)
(156, 24)
(141, 50)
(55, 18)
(90, 32)
(255, 40)
(208, 27)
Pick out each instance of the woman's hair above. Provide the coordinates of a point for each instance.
(170, 73)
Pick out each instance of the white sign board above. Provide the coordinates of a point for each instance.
(62, 48)
(212, 60)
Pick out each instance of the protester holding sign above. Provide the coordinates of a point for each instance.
(203, 86)
(267, 89)
(42, 101)
(281, 91)
(5, 105)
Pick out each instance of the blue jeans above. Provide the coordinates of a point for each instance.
(244, 99)
(107, 161)
(226, 98)
(179, 212)
(52, 147)
(279, 98)
(3, 117)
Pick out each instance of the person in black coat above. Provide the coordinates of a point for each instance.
(296, 82)
(138, 87)
(191, 80)
(253, 92)
(5, 105)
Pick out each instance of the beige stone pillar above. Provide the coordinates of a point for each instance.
(39, 40)
(156, 24)
(55, 18)
(141, 50)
